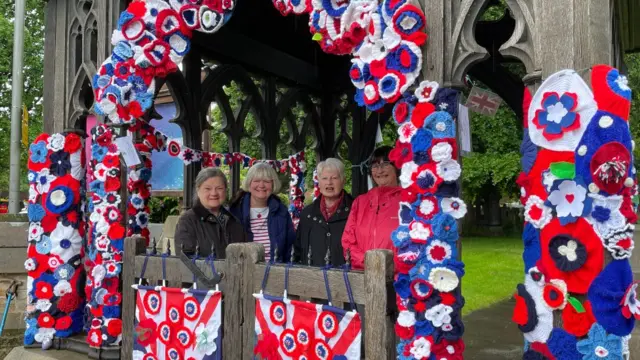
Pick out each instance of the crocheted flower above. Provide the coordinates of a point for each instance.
(426, 208)
(454, 207)
(44, 180)
(406, 132)
(448, 350)
(449, 170)
(426, 91)
(60, 199)
(445, 228)
(630, 303)
(443, 279)
(600, 345)
(98, 152)
(572, 253)
(441, 124)
(605, 215)
(558, 115)
(439, 315)
(405, 213)
(441, 151)
(400, 236)
(569, 200)
(421, 348)
(536, 212)
(66, 242)
(56, 142)
(576, 323)
(438, 251)
(35, 231)
(60, 163)
(401, 154)
(38, 152)
(425, 179)
(406, 174)
(419, 232)
(421, 140)
(64, 272)
(35, 212)
(402, 111)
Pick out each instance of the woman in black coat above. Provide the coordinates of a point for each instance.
(322, 223)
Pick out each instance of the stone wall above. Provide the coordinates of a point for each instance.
(13, 252)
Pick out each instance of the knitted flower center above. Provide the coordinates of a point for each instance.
(601, 352)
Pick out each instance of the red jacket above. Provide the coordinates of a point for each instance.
(374, 216)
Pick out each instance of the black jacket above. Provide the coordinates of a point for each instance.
(199, 227)
(315, 232)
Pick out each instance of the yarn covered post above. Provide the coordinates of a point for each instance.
(578, 300)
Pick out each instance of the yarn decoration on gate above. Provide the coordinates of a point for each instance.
(578, 189)
(429, 274)
(55, 273)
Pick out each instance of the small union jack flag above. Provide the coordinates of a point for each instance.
(483, 101)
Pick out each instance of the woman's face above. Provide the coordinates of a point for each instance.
(212, 193)
(384, 173)
(261, 189)
(330, 183)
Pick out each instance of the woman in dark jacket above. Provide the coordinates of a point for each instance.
(322, 223)
(264, 218)
(208, 225)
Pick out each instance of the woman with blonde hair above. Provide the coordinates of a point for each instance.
(264, 218)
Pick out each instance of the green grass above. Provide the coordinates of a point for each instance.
(493, 268)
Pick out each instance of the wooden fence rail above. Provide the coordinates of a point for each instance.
(243, 271)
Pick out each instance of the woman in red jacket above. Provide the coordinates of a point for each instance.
(374, 215)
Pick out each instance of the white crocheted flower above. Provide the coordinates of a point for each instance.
(66, 242)
(443, 279)
(438, 251)
(35, 231)
(441, 152)
(568, 199)
(407, 171)
(439, 315)
(62, 287)
(206, 339)
(56, 142)
(43, 305)
(419, 231)
(426, 91)
(406, 318)
(406, 132)
(421, 348)
(605, 215)
(536, 212)
(448, 170)
(454, 207)
(98, 273)
(30, 264)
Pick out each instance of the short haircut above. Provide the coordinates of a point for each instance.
(206, 174)
(262, 171)
(332, 163)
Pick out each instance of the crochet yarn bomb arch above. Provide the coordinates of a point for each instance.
(384, 39)
(579, 190)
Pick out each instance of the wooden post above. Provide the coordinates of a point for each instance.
(253, 254)
(132, 247)
(232, 306)
(379, 335)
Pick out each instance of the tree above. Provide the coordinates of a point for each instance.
(33, 80)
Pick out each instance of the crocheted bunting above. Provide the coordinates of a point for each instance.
(611, 90)
(607, 294)
(560, 111)
(563, 345)
(603, 156)
(572, 253)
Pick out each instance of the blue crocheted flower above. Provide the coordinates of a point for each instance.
(424, 328)
(38, 152)
(421, 141)
(60, 163)
(64, 272)
(98, 152)
(619, 84)
(97, 187)
(400, 236)
(441, 124)
(598, 345)
(404, 214)
(110, 312)
(29, 339)
(601, 213)
(445, 228)
(402, 285)
(43, 246)
(59, 199)
(35, 212)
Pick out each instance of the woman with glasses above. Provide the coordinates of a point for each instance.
(374, 215)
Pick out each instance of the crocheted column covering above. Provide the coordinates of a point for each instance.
(579, 190)
(55, 273)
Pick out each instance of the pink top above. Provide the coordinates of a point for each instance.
(260, 230)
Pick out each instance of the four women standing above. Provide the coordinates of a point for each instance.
(333, 223)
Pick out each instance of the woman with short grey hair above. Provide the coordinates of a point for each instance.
(208, 226)
(322, 223)
(265, 218)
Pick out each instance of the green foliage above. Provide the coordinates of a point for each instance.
(33, 80)
(162, 207)
(633, 65)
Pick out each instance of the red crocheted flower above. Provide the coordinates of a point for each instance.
(146, 332)
(44, 290)
(575, 323)
(421, 112)
(449, 350)
(114, 328)
(69, 302)
(112, 184)
(45, 320)
(63, 323)
(116, 231)
(401, 154)
(405, 333)
(72, 143)
(94, 338)
(572, 253)
(532, 182)
(267, 347)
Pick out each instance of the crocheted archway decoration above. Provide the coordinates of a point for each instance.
(385, 41)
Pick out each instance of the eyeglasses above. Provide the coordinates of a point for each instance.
(380, 165)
